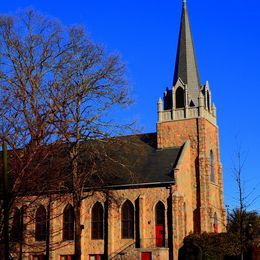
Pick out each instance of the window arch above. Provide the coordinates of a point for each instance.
(160, 224)
(159, 213)
(41, 224)
(16, 229)
(97, 221)
(215, 224)
(179, 96)
(127, 219)
(68, 223)
(211, 164)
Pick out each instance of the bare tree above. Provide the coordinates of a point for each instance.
(58, 88)
(93, 84)
(26, 58)
(239, 219)
(241, 198)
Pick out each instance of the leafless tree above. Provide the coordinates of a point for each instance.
(26, 57)
(238, 220)
(58, 89)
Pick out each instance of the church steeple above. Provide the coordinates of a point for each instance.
(186, 98)
(186, 66)
(187, 118)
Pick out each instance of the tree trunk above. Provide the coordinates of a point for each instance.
(77, 238)
(21, 234)
(6, 202)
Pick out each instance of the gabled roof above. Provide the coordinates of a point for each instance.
(186, 65)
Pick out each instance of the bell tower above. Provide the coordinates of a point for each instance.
(187, 112)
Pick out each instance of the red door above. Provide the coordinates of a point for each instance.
(146, 255)
(159, 235)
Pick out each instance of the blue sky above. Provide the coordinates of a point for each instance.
(227, 43)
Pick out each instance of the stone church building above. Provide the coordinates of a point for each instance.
(179, 188)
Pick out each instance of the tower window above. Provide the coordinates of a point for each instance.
(127, 220)
(41, 224)
(179, 95)
(167, 100)
(97, 223)
(211, 163)
(68, 223)
(208, 100)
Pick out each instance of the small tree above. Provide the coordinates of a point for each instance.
(239, 221)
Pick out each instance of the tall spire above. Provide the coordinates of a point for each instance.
(186, 66)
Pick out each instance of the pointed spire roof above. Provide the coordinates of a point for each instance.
(186, 66)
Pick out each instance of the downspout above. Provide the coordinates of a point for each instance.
(21, 233)
(106, 235)
(170, 224)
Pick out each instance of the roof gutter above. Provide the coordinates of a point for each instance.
(123, 186)
(134, 185)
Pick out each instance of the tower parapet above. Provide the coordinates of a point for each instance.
(182, 107)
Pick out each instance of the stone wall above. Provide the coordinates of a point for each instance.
(147, 197)
(207, 197)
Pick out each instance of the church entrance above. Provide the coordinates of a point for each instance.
(146, 256)
(159, 225)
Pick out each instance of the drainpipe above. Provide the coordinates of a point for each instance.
(170, 224)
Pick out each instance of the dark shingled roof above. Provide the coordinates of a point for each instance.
(144, 162)
(126, 160)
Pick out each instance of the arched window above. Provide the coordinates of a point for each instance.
(127, 218)
(97, 221)
(41, 224)
(68, 223)
(179, 94)
(215, 224)
(211, 164)
(160, 224)
(16, 230)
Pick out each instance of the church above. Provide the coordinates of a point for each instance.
(178, 187)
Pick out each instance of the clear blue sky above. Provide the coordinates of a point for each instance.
(227, 43)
